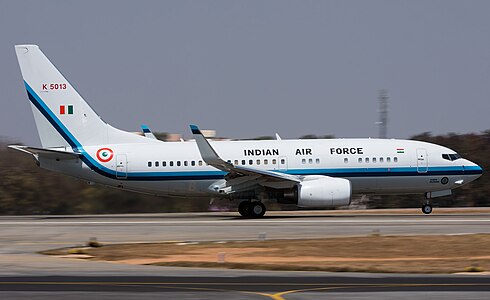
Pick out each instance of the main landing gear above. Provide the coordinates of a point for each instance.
(251, 209)
(427, 208)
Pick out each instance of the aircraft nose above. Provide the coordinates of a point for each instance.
(471, 168)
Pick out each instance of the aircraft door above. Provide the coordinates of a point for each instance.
(282, 163)
(121, 166)
(422, 163)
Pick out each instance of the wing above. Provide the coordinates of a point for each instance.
(210, 156)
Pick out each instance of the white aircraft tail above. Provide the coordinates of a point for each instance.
(63, 118)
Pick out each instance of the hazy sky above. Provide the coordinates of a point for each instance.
(250, 68)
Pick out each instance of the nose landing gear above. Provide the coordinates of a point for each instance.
(427, 208)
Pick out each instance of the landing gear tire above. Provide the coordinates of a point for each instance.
(427, 209)
(256, 209)
(244, 209)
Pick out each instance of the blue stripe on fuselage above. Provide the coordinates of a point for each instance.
(48, 114)
(100, 169)
(208, 175)
(65, 133)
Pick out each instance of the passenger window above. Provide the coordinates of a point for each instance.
(185, 163)
(228, 161)
(317, 160)
(236, 162)
(388, 160)
(171, 163)
(149, 164)
(243, 162)
(274, 161)
(310, 160)
(193, 163)
(200, 163)
(374, 159)
(164, 163)
(157, 164)
(250, 162)
(258, 161)
(346, 160)
(303, 161)
(266, 161)
(367, 159)
(395, 159)
(360, 160)
(178, 163)
(380, 159)
(283, 161)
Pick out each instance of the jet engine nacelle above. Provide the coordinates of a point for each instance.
(324, 191)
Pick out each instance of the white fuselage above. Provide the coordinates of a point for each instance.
(374, 166)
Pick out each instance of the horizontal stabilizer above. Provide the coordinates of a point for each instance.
(46, 153)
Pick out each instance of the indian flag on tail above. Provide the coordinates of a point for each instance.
(66, 109)
(400, 150)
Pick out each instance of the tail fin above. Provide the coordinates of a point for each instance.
(62, 116)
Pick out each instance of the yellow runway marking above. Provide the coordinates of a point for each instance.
(275, 296)
(159, 283)
(240, 283)
(279, 296)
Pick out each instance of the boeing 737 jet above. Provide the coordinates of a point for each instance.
(308, 173)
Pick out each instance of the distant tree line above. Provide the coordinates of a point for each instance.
(474, 147)
(27, 189)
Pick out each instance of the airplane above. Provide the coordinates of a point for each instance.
(319, 173)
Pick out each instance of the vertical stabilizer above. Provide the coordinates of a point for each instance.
(62, 116)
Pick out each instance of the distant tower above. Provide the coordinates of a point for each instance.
(383, 113)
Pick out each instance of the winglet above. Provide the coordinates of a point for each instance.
(207, 152)
(195, 129)
(145, 128)
(147, 132)
(212, 158)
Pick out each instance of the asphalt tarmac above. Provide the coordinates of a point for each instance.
(27, 275)
(245, 287)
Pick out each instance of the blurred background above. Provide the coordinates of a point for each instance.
(27, 189)
(249, 69)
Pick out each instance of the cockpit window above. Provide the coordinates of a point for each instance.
(454, 156)
(451, 157)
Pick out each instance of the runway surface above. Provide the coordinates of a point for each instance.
(25, 274)
(246, 287)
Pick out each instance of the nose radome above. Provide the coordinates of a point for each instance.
(470, 168)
